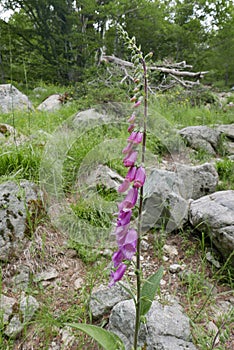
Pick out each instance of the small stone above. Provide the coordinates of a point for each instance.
(46, 275)
(163, 282)
(14, 327)
(78, 283)
(22, 279)
(165, 258)
(144, 245)
(28, 307)
(213, 329)
(212, 260)
(71, 253)
(67, 338)
(54, 346)
(6, 307)
(64, 266)
(131, 273)
(170, 250)
(174, 268)
(134, 258)
(107, 252)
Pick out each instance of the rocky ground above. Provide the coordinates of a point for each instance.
(65, 278)
(49, 282)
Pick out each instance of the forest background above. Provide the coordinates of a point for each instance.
(61, 41)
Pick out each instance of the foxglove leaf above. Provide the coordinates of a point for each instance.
(149, 290)
(108, 340)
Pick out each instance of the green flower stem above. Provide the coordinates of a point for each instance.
(138, 253)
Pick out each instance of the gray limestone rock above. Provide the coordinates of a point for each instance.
(21, 280)
(230, 148)
(198, 181)
(227, 130)
(17, 201)
(28, 307)
(214, 214)
(166, 327)
(15, 321)
(163, 203)
(6, 307)
(12, 99)
(103, 299)
(51, 103)
(46, 275)
(202, 138)
(14, 327)
(102, 176)
(89, 115)
(9, 135)
(166, 194)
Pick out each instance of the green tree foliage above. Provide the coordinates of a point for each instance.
(57, 37)
(58, 40)
(221, 50)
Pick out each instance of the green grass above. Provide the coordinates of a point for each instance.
(225, 169)
(181, 113)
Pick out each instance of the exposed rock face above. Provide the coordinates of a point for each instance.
(16, 202)
(215, 214)
(202, 138)
(12, 98)
(166, 327)
(167, 193)
(52, 103)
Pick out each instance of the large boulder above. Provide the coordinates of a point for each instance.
(166, 326)
(12, 99)
(51, 103)
(214, 214)
(167, 194)
(202, 138)
(163, 204)
(17, 202)
(198, 180)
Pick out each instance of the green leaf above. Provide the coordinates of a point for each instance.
(108, 340)
(149, 290)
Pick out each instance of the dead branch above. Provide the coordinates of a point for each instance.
(185, 83)
(173, 71)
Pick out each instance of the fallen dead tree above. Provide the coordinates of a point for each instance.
(171, 73)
